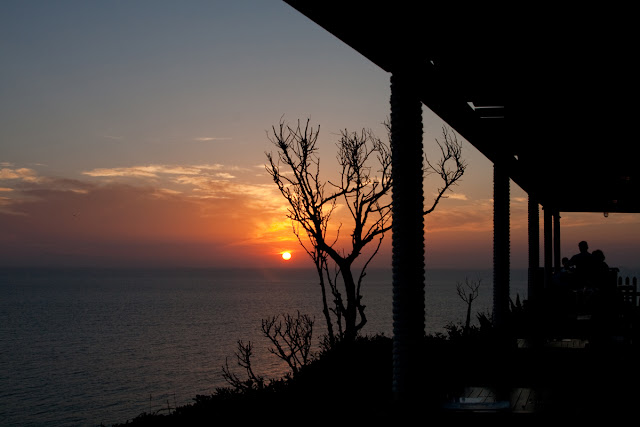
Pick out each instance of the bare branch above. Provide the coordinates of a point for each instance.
(291, 337)
(243, 359)
(450, 166)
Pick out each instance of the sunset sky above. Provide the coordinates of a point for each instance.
(133, 133)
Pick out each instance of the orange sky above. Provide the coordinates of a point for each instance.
(210, 215)
(215, 222)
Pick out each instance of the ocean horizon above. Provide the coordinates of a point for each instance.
(87, 346)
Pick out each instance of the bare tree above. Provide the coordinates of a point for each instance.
(364, 188)
(473, 290)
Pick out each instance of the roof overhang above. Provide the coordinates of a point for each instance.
(550, 95)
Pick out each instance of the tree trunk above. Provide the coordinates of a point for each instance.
(468, 322)
(325, 306)
(351, 309)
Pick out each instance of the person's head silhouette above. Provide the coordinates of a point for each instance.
(598, 255)
(583, 246)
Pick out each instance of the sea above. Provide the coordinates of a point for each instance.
(91, 347)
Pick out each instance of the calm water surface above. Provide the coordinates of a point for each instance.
(91, 347)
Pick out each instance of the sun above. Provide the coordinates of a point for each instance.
(286, 256)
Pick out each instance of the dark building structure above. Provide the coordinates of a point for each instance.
(546, 94)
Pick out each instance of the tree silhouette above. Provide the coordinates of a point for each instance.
(468, 293)
(364, 187)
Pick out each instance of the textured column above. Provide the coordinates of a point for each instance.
(501, 245)
(534, 248)
(548, 246)
(556, 241)
(407, 233)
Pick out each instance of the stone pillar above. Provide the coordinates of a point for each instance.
(533, 277)
(407, 233)
(501, 245)
(557, 262)
(548, 246)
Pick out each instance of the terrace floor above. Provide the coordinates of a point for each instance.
(565, 379)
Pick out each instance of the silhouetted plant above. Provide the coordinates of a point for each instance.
(473, 290)
(243, 359)
(366, 195)
(518, 319)
(291, 338)
(485, 320)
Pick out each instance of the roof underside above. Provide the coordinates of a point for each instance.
(552, 96)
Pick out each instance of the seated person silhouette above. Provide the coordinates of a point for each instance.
(583, 260)
(603, 302)
(583, 263)
(600, 274)
(582, 266)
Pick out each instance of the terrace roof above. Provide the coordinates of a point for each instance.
(549, 92)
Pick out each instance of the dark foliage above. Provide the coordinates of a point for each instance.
(351, 378)
(350, 383)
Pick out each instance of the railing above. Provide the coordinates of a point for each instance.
(628, 290)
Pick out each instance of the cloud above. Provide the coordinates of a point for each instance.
(472, 216)
(166, 191)
(224, 175)
(22, 174)
(142, 171)
(205, 181)
(54, 220)
(200, 214)
(34, 187)
(456, 196)
(211, 138)
(113, 137)
(152, 171)
(263, 195)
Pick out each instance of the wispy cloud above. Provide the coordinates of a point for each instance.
(22, 174)
(225, 186)
(211, 138)
(225, 175)
(24, 185)
(202, 212)
(205, 180)
(113, 137)
(180, 218)
(142, 171)
(152, 171)
(456, 196)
